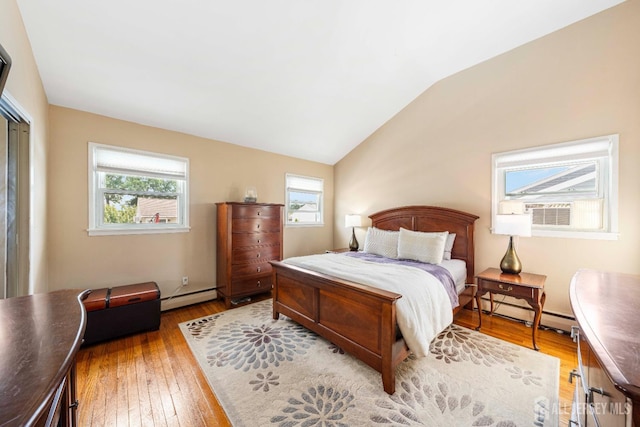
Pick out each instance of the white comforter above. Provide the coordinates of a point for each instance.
(424, 309)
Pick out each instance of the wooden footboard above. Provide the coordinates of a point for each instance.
(359, 319)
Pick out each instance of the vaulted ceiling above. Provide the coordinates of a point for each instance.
(305, 78)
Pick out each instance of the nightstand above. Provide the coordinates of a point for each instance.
(337, 251)
(526, 286)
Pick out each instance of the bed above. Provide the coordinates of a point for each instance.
(362, 319)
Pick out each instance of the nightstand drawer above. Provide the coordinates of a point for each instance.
(506, 289)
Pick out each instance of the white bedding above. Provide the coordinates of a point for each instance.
(423, 311)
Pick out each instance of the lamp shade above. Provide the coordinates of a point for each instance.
(513, 225)
(353, 221)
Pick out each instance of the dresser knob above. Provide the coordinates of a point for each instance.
(258, 240)
(259, 284)
(258, 269)
(258, 226)
(258, 256)
(259, 212)
(508, 289)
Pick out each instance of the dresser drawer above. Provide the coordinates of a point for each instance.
(240, 240)
(254, 225)
(249, 286)
(252, 269)
(599, 402)
(255, 254)
(610, 406)
(506, 289)
(255, 211)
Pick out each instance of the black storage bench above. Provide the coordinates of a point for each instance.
(121, 310)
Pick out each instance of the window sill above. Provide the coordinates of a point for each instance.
(592, 235)
(127, 231)
(304, 225)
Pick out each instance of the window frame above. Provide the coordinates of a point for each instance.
(603, 150)
(320, 193)
(97, 226)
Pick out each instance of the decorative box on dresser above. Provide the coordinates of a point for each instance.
(607, 377)
(249, 236)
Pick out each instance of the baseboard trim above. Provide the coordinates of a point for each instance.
(183, 300)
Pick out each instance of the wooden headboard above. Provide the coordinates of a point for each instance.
(432, 218)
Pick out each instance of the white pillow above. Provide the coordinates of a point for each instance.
(448, 246)
(423, 247)
(381, 242)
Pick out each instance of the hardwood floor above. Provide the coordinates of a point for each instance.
(148, 379)
(550, 342)
(152, 379)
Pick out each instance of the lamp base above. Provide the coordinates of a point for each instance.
(510, 263)
(353, 243)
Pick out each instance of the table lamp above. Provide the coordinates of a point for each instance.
(353, 221)
(512, 225)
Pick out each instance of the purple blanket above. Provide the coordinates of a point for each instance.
(440, 273)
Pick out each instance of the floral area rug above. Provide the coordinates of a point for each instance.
(277, 373)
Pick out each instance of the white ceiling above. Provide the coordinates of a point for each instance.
(305, 78)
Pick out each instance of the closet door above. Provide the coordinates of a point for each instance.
(4, 143)
(17, 210)
(14, 202)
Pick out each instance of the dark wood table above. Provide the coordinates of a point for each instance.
(606, 307)
(526, 286)
(40, 336)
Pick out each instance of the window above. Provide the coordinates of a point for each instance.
(304, 200)
(134, 192)
(570, 189)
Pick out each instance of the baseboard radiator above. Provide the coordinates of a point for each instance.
(558, 322)
(182, 300)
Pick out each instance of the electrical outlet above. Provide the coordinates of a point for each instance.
(185, 280)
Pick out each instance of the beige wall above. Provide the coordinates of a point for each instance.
(218, 172)
(579, 82)
(25, 87)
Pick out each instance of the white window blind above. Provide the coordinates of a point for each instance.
(296, 182)
(555, 154)
(129, 162)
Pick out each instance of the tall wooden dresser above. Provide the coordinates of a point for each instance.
(249, 236)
